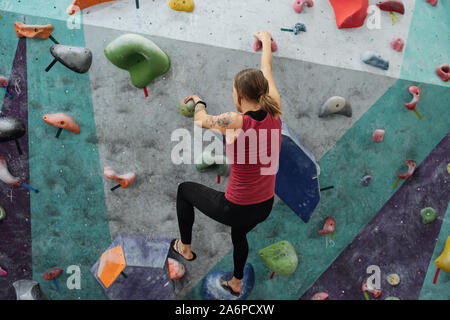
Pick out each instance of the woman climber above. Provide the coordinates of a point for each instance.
(250, 191)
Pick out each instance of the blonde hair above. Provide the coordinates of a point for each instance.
(252, 84)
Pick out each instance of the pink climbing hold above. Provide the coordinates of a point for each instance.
(432, 2)
(415, 91)
(298, 5)
(378, 135)
(328, 227)
(411, 168)
(3, 272)
(443, 71)
(398, 44)
(3, 82)
(320, 296)
(7, 177)
(392, 5)
(257, 45)
(350, 13)
(365, 287)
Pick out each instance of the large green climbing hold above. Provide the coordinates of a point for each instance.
(211, 162)
(280, 257)
(428, 215)
(143, 59)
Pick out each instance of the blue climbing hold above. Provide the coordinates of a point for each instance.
(374, 59)
(213, 290)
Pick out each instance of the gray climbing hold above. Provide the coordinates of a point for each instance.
(28, 290)
(374, 59)
(335, 105)
(299, 27)
(77, 59)
(11, 129)
(2, 213)
(365, 181)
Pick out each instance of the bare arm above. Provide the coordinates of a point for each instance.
(266, 63)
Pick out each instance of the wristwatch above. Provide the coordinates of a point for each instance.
(202, 102)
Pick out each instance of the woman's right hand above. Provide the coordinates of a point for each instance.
(263, 36)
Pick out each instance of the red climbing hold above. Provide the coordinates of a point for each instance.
(52, 273)
(398, 44)
(443, 71)
(257, 45)
(350, 13)
(392, 5)
(329, 226)
(3, 82)
(415, 91)
(298, 5)
(432, 2)
(365, 287)
(411, 167)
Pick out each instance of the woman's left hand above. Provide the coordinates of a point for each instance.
(193, 97)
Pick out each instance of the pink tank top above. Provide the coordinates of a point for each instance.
(254, 159)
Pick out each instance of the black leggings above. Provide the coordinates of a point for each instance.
(241, 218)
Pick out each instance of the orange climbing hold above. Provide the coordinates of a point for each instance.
(350, 13)
(443, 261)
(62, 120)
(78, 5)
(176, 269)
(31, 31)
(112, 263)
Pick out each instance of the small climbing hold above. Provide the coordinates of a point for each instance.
(328, 227)
(398, 44)
(187, 109)
(32, 31)
(62, 121)
(124, 180)
(392, 6)
(432, 2)
(365, 287)
(77, 59)
(411, 168)
(78, 5)
(176, 269)
(6, 176)
(366, 180)
(298, 27)
(320, 296)
(3, 272)
(428, 215)
(280, 257)
(4, 84)
(2, 213)
(11, 129)
(374, 59)
(335, 105)
(209, 161)
(443, 71)
(350, 13)
(443, 261)
(298, 5)
(142, 58)
(393, 279)
(378, 135)
(257, 45)
(182, 5)
(415, 91)
(391, 298)
(52, 274)
(212, 285)
(448, 167)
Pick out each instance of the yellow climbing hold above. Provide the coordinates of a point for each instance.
(448, 168)
(443, 262)
(182, 5)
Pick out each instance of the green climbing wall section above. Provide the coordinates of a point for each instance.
(440, 290)
(69, 217)
(428, 43)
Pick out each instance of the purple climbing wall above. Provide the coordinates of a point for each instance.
(396, 240)
(15, 230)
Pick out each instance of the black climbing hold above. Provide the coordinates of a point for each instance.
(11, 129)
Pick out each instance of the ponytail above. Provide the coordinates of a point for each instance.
(269, 105)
